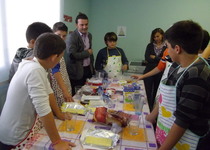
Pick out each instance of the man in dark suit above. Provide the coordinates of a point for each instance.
(80, 58)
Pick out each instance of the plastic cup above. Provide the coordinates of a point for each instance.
(70, 123)
(138, 103)
(133, 126)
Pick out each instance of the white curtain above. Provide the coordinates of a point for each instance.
(15, 16)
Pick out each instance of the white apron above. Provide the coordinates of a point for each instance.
(114, 65)
(165, 75)
(167, 106)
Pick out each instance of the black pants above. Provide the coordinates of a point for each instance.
(6, 147)
(151, 87)
(74, 83)
(204, 143)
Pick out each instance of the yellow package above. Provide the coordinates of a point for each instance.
(98, 141)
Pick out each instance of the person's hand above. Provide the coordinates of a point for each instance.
(138, 77)
(90, 51)
(124, 67)
(68, 115)
(150, 118)
(67, 96)
(152, 56)
(63, 116)
(60, 116)
(63, 145)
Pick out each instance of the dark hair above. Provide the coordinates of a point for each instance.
(110, 36)
(48, 44)
(60, 26)
(187, 34)
(80, 16)
(35, 29)
(156, 30)
(206, 39)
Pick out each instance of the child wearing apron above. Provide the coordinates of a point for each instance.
(184, 103)
(111, 59)
(167, 107)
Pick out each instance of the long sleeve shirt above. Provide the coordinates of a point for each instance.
(102, 57)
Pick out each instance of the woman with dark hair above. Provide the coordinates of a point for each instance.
(153, 54)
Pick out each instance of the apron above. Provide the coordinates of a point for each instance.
(35, 129)
(114, 65)
(54, 84)
(167, 99)
(164, 76)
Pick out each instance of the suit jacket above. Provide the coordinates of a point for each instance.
(76, 54)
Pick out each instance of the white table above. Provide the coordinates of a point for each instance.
(147, 140)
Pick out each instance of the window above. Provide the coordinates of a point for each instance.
(1, 43)
(15, 18)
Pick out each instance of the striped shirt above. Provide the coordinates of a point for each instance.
(193, 97)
